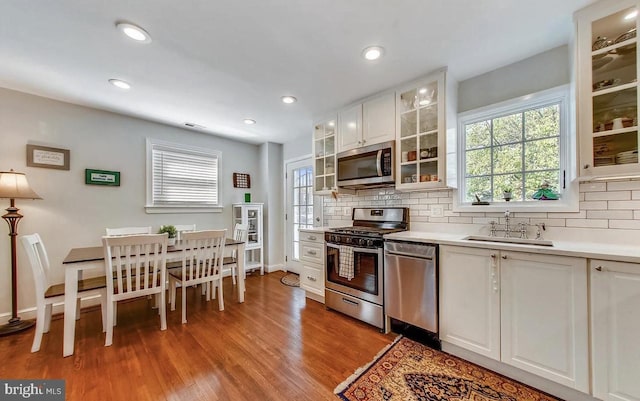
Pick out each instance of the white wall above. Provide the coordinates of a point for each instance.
(73, 214)
(271, 173)
(298, 147)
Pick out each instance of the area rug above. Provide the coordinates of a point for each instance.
(407, 370)
(291, 279)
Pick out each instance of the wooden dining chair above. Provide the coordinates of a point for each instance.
(110, 232)
(231, 262)
(138, 265)
(48, 294)
(182, 228)
(202, 253)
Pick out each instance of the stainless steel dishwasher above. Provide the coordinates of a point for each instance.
(411, 283)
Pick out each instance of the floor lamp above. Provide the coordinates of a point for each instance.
(14, 186)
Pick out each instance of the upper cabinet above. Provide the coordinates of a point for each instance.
(607, 91)
(324, 156)
(367, 123)
(421, 140)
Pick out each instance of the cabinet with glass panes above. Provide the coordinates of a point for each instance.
(608, 89)
(420, 134)
(324, 157)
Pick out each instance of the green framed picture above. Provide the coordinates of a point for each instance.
(102, 177)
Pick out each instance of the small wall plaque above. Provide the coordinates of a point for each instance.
(241, 180)
(44, 156)
(102, 177)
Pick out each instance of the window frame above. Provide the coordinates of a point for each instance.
(558, 95)
(152, 208)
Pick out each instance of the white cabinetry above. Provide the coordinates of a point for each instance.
(367, 123)
(607, 89)
(251, 215)
(312, 258)
(324, 156)
(523, 309)
(615, 330)
(425, 145)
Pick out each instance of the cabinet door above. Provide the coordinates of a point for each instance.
(379, 119)
(324, 157)
(350, 128)
(470, 299)
(544, 316)
(615, 328)
(607, 96)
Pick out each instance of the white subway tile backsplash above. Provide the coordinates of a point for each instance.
(612, 205)
(610, 214)
(585, 223)
(611, 195)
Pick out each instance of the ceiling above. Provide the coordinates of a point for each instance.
(215, 63)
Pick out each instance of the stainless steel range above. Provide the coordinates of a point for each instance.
(355, 263)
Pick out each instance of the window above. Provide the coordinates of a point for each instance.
(516, 146)
(181, 177)
(302, 204)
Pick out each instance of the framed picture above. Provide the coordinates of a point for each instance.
(44, 156)
(102, 177)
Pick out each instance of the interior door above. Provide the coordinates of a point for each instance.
(299, 214)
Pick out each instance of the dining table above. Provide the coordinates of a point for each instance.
(91, 259)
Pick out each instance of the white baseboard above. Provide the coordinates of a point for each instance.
(274, 268)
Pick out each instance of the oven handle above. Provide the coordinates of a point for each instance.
(379, 163)
(361, 250)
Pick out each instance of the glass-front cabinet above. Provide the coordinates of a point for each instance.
(324, 157)
(420, 134)
(251, 215)
(608, 89)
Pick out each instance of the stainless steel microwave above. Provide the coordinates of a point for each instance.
(367, 167)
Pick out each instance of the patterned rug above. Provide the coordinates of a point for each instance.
(291, 279)
(407, 371)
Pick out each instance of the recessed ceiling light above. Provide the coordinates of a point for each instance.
(289, 99)
(134, 32)
(631, 15)
(120, 84)
(249, 121)
(423, 91)
(373, 52)
(332, 124)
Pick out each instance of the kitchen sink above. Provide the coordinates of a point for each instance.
(521, 241)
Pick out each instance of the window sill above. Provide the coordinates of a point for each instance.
(549, 206)
(150, 209)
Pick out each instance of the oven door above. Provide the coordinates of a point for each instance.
(367, 280)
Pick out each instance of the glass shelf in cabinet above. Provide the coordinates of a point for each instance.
(614, 88)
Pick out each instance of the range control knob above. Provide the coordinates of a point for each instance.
(348, 240)
(361, 241)
(370, 242)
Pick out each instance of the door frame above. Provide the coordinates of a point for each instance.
(296, 266)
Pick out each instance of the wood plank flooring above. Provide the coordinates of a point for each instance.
(278, 345)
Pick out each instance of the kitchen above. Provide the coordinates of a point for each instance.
(606, 214)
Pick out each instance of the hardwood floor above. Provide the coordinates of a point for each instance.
(278, 345)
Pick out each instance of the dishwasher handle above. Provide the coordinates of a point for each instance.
(410, 255)
(413, 249)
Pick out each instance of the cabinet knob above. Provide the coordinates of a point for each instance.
(311, 278)
(493, 255)
(311, 252)
(312, 238)
(599, 268)
(586, 166)
(504, 256)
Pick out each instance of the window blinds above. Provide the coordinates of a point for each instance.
(184, 177)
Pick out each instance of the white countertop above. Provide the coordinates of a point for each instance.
(588, 250)
(315, 229)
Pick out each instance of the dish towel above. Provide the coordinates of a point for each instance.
(346, 262)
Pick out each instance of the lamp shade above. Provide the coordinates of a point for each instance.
(15, 186)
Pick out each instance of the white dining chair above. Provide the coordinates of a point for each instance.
(182, 228)
(110, 232)
(138, 265)
(48, 294)
(231, 262)
(202, 253)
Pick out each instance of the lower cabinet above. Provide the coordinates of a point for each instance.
(312, 258)
(524, 309)
(615, 330)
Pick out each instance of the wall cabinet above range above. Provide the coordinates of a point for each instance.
(607, 89)
(425, 134)
(367, 123)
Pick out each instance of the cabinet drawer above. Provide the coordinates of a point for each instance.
(312, 277)
(312, 252)
(311, 236)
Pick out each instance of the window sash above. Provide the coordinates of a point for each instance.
(183, 176)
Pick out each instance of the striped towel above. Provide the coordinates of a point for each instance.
(346, 262)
